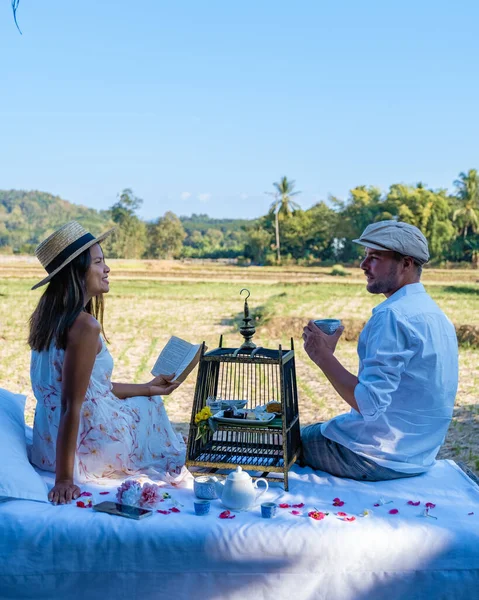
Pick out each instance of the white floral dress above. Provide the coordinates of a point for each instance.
(116, 438)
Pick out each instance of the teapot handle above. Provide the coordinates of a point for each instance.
(256, 486)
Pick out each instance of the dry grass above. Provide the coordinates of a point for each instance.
(152, 300)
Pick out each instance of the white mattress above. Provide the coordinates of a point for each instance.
(49, 552)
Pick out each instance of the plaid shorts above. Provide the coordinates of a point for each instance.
(319, 452)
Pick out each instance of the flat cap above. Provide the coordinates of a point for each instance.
(396, 236)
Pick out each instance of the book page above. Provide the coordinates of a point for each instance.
(179, 357)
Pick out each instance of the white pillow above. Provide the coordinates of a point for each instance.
(18, 479)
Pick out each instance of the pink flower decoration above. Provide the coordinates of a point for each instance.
(226, 514)
(284, 505)
(150, 494)
(298, 505)
(393, 511)
(430, 505)
(411, 503)
(295, 512)
(86, 494)
(103, 493)
(129, 492)
(337, 502)
(317, 515)
(82, 504)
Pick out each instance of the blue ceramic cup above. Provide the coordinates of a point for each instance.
(268, 510)
(202, 507)
(328, 326)
(205, 487)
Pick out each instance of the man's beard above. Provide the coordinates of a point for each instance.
(386, 284)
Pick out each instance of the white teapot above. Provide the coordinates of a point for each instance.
(238, 491)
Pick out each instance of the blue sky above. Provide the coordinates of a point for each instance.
(199, 105)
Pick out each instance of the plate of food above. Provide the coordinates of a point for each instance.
(220, 404)
(243, 417)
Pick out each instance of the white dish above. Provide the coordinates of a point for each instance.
(261, 419)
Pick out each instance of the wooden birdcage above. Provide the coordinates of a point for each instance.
(257, 376)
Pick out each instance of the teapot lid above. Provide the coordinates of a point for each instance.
(238, 475)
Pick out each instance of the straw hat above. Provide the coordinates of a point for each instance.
(63, 246)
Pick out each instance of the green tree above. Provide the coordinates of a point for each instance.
(363, 207)
(257, 245)
(166, 237)
(310, 234)
(129, 239)
(427, 209)
(282, 205)
(466, 215)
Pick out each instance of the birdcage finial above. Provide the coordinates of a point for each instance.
(247, 330)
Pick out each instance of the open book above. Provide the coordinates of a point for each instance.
(179, 357)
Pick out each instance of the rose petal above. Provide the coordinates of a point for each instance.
(349, 518)
(412, 503)
(338, 503)
(377, 504)
(393, 511)
(175, 510)
(284, 505)
(81, 504)
(164, 512)
(298, 505)
(430, 505)
(336, 499)
(342, 514)
(86, 494)
(103, 493)
(295, 512)
(226, 515)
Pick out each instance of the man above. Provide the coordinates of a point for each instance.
(403, 396)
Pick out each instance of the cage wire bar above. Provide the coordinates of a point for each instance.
(258, 376)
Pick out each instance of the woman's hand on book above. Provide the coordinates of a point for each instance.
(163, 385)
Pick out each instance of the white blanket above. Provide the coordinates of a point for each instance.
(49, 552)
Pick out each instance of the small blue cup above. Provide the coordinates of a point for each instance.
(202, 507)
(268, 510)
(328, 326)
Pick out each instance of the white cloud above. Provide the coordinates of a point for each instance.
(204, 197)
(185, 195)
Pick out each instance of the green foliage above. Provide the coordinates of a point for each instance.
(165, 237)
(338, 271)
(282, 206)
(258, 244)
(26, 218)
(322, 233)
(129, 238)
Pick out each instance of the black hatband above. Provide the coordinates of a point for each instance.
(68, 251)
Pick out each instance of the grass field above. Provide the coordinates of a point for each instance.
(151, 300)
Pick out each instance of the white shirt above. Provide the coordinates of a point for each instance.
(408, 375)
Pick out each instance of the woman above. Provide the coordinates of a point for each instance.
(86, 426)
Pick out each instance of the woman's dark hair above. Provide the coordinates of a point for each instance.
(60, 305)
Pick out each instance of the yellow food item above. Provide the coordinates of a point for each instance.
(273, 407)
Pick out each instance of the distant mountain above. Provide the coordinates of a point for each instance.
(26, 218)
(203, 223)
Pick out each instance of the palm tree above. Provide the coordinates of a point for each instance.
(467, 215)
(282, 204)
